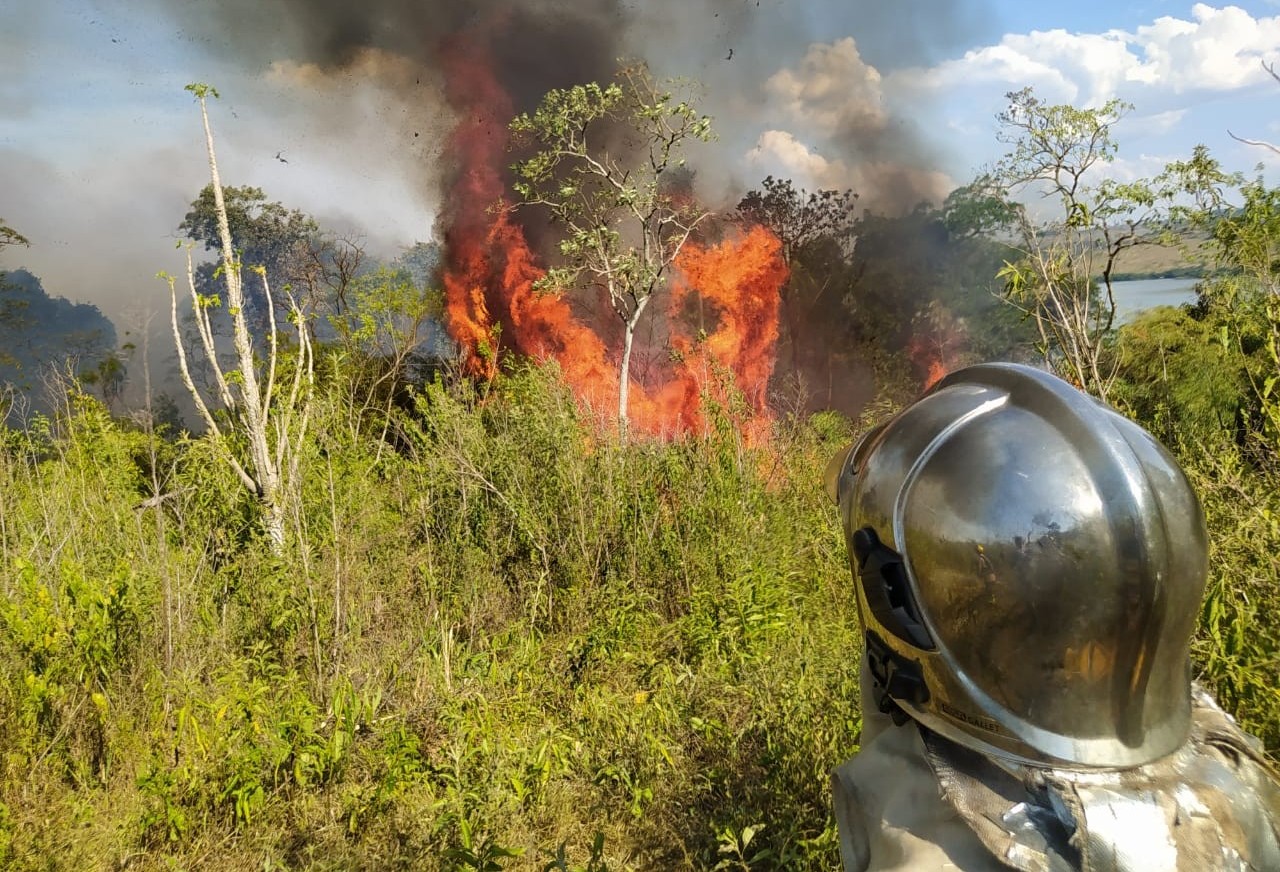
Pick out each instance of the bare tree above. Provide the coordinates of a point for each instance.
(271, 420)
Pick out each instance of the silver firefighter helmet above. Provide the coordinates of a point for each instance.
(1029, 566)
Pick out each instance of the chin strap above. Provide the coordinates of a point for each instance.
(893, 677)
(885, 584)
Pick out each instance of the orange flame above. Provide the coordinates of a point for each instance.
(935, 374)
(927, 359)
(741, 278)
(936, 345)
(492, 305)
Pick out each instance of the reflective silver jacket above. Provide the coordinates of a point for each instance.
(912, 800)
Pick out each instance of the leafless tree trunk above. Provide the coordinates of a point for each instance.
(273, 428)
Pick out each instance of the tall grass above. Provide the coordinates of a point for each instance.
(510, 643)
(1237, 651)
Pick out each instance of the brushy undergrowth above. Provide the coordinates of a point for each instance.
(1237, 651)
(496, 640)
(508, 643)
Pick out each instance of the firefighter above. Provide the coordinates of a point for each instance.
(1028, 566)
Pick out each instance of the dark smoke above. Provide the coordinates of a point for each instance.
(736, 50)
(537, 45)
(730, 46)
(530, 46)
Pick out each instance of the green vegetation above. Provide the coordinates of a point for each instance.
(1202, 378)
(876, 302)
(509, 636)
(45, 338)
(479, 632)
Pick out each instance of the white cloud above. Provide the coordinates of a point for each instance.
(1217, 49)
(781, 153)
(844, 134)
(1143, 166)
(878, 182)
(1221, 50)
(1159, 123)
(1072, 67)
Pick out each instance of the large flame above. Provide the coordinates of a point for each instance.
(741, 277)
(492, 305)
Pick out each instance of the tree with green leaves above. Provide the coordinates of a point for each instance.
(1179, 379)
(1244, 300)
(109, 375)
(384, 341)
(265, 233)
(1053, 151)
(1068, 249)
(319, 266)
(600, 163)
(9, 236)
(271, 420)
(42, 333)
(978, 209)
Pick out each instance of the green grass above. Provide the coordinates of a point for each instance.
(510, 643)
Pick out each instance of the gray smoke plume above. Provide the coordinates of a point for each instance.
(747, 55)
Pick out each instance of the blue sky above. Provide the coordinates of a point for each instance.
(1085, 15)
(100, 146)
(1191, 72)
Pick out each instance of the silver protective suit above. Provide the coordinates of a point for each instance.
(1029, 566)
(912, 800)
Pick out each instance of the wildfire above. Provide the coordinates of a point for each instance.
(935, 374)
(741, 278)
(935, 347)
(931, 368)
(491, 302)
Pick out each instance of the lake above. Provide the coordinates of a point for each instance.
(1134, 296)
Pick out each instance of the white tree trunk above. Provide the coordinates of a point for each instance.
(242, 392)
(624, 371)
(256, 406)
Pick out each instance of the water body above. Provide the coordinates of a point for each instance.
(1133, 297)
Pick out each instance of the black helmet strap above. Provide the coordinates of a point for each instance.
(893, 678)
(888, 591)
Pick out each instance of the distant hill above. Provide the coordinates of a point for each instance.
(39, 332)
(1191, 259)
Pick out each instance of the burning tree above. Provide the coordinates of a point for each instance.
(817, 231)
(598, 167)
